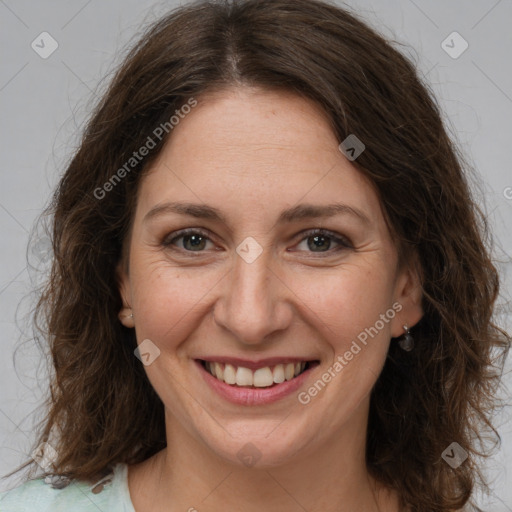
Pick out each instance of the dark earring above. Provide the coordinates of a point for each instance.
(406, 342)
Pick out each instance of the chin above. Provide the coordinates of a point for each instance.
(256, 444)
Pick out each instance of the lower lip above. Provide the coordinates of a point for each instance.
(253, 396)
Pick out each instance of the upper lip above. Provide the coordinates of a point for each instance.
(255, 364)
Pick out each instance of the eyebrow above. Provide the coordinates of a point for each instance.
(295, 213)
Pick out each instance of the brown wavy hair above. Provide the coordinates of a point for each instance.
(102, 405)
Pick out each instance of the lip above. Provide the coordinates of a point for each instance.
(254, 396)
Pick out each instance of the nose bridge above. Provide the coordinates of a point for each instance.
(250, 306)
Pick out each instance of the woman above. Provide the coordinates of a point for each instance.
(270, 288)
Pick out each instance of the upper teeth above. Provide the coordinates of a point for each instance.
(260, 378)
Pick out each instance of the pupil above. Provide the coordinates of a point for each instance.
(318, 238)
(195, 240)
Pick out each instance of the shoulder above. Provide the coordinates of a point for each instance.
(38, 496)
(110, 493)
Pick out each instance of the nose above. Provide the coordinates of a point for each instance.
(255, 302)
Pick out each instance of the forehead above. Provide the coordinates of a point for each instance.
(251, 120)
(244, 147)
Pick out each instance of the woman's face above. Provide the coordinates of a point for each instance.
(253, 288)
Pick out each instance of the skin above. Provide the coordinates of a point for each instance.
(251, 154)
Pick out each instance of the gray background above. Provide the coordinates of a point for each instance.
(44, 103)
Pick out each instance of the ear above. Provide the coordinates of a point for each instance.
(123, 279)
(408, 293)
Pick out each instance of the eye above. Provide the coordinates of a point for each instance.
(320, 241)
(193, 240)
(317, 241)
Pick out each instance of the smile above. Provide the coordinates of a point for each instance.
(264, 383)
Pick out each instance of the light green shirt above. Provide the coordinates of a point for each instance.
(113, 496)
(38, 496)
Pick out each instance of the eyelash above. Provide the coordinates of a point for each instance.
(342, 241)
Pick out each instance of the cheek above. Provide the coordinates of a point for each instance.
(346, 310)
(351, 310)
(168, 300)
(346, 301)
